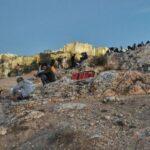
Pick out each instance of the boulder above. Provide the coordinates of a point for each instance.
(136, 90)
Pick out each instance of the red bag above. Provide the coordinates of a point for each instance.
(82, 75)
(75, 76)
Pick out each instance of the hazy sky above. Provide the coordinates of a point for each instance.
(31, 26)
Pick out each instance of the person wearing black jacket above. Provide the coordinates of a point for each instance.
(45, 74)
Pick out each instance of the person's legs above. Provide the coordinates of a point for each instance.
(44, 79)
(51, 76)
(17, 95)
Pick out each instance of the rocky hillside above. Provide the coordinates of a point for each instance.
(109, 111)
(133, 59)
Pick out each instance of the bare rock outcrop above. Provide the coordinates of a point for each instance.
(137, 59)
(107, 83)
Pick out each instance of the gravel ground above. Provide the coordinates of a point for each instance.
(89, 122)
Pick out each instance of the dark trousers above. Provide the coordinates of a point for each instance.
(47, 77)
(44, 79)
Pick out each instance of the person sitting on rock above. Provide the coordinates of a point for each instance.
(46, 74)
(22, 90)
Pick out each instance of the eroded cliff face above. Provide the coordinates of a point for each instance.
(8, 63)
(78, 48)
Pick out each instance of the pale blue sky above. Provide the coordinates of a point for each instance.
(31, 26)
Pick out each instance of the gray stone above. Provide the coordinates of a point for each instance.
(118, 121)
(71, 106)
(105, 79)
(110, 99)
(34, 115)
(97, 135)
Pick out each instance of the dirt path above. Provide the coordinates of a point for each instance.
(7, 83)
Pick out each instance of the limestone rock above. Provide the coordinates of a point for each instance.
(3, 130)
(34, 115)
(136, 90)
(109, 93)
(9, 62)
(78, 48)
(110, 99)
